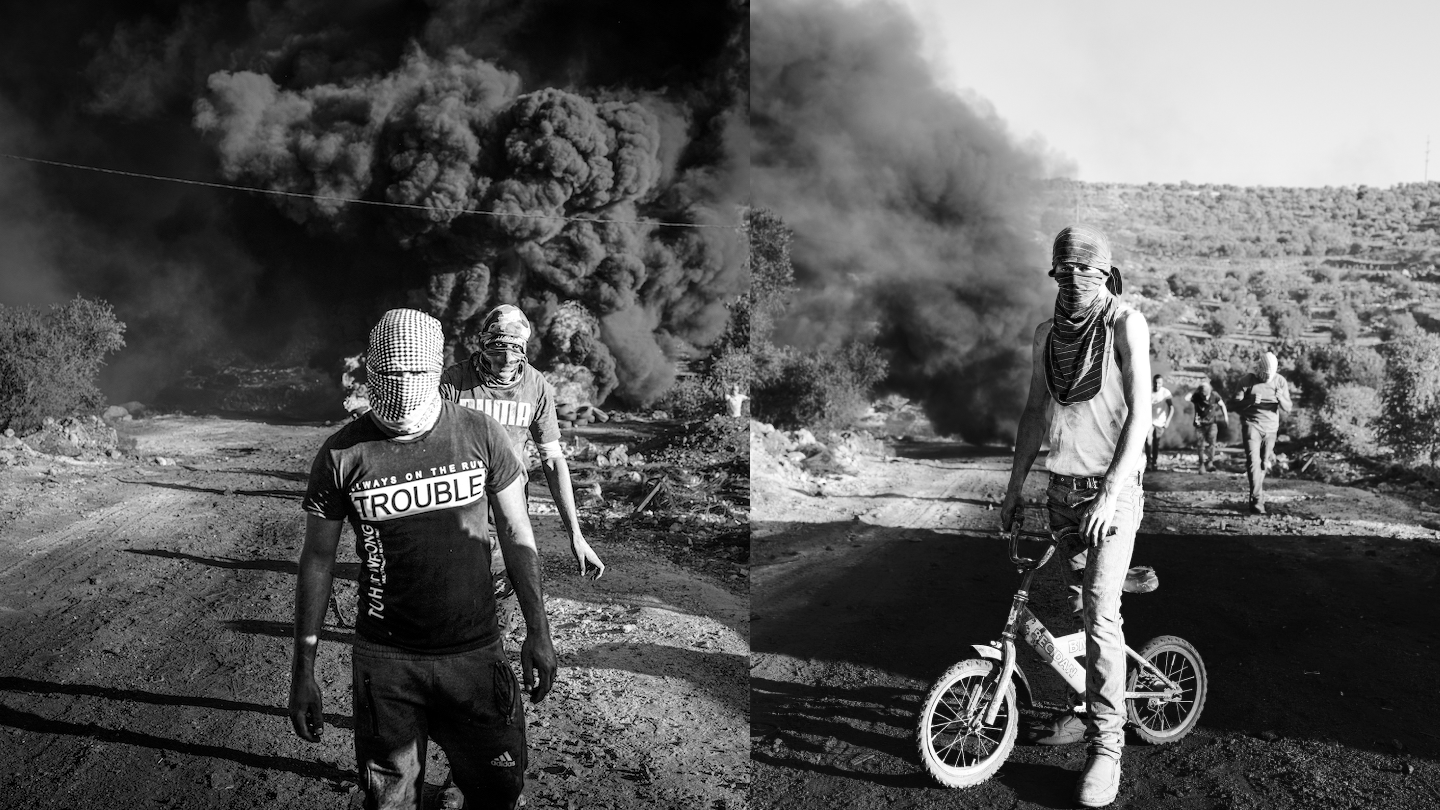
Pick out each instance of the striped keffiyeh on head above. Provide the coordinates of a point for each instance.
(404, 361)
(1080, 337)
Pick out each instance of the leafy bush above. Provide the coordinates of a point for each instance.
(49, 360)
(691, 397)
(1410, 402)
(827, 390)
(1347, 324)
(1347, 420)
(1224, 320)
(1319, 369)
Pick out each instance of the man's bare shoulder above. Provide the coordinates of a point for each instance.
(1130, 323)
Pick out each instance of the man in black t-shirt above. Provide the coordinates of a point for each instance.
(414, 477)
(1209, 416)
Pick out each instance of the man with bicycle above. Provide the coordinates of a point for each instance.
(1088, 395)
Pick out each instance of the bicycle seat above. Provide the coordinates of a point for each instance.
(1141, 579)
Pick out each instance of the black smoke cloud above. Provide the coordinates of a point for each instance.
(914, 211)
(537, 145)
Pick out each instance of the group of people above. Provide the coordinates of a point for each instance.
(420, 478)
(1262, 394)
(1088, 382)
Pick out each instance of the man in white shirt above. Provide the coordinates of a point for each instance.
(1162, 407)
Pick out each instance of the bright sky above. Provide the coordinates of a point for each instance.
(1244, 92)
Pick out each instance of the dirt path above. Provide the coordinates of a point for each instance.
(1316, 623)
(145, 618)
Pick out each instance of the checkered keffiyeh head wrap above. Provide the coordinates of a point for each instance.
(506, 327)
(1080, 336)
(405, 340)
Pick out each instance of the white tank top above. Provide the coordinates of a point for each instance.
(1084, 435)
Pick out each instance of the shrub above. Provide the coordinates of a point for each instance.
(1397, 325)
(1320, 368)
(49, 360)
(1410, 402)
(1224, 320)
(1347, 420)
(1347, 324)
(829, 389)
(1299, 424)
(691, 397)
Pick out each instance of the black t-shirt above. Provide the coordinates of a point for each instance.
(419, 511)
(1207, 408)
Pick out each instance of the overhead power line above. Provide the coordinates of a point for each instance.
(351, 200)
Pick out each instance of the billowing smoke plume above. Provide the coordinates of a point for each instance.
(913, 210)
(535, 147)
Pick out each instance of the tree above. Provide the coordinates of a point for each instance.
(1347, 324)
(49, 360)
(1224, 320)
(1347, 420)
(1410, 402)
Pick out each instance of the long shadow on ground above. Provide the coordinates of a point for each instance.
(1304, 637)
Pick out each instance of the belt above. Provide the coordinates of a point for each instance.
(1079, 483)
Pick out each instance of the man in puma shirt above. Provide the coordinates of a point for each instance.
(498, 381)
(415, 477)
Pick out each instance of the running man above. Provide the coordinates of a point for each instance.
(1088, 381)
(414, 476)
(1263, 395)
(1210, 414)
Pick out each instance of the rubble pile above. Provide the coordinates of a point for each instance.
(684, 491)
(802, 458)
(87, 437)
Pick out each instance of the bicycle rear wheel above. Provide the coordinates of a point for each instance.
(1159, 721)
(956, 747)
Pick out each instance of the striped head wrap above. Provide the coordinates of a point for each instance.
(1080, 337)
(405, 340)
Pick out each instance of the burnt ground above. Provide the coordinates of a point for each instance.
(1316, 624)
(145, 626)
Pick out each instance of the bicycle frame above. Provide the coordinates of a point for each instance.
(1059, 653)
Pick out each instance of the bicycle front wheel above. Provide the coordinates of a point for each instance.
(1159, 721)
(957, 747)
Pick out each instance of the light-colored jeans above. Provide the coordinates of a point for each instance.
(1096, 578)
(1259, 454)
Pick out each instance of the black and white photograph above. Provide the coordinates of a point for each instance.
(1096, 375)
(372, 389)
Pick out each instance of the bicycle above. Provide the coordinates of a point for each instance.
(969, 720)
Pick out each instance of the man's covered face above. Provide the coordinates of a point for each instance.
(1080, 285)
(503, 358)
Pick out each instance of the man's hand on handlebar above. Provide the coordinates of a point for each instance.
(1008, 509)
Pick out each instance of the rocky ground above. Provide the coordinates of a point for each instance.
(146, 599)
(1316, 624)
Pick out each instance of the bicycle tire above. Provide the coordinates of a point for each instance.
(1164, 722)
(956, 748)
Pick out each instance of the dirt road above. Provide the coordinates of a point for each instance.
(1316, 623)
(145, 624)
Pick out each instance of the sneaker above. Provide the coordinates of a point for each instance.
(1065, 729)
(1258, 507)
(1099, 782)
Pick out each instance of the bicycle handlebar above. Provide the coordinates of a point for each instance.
(1027, 563)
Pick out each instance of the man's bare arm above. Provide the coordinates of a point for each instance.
(312, 596)
(1132, 344)
(557, 477)
(517, 544)
(1034, 423)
